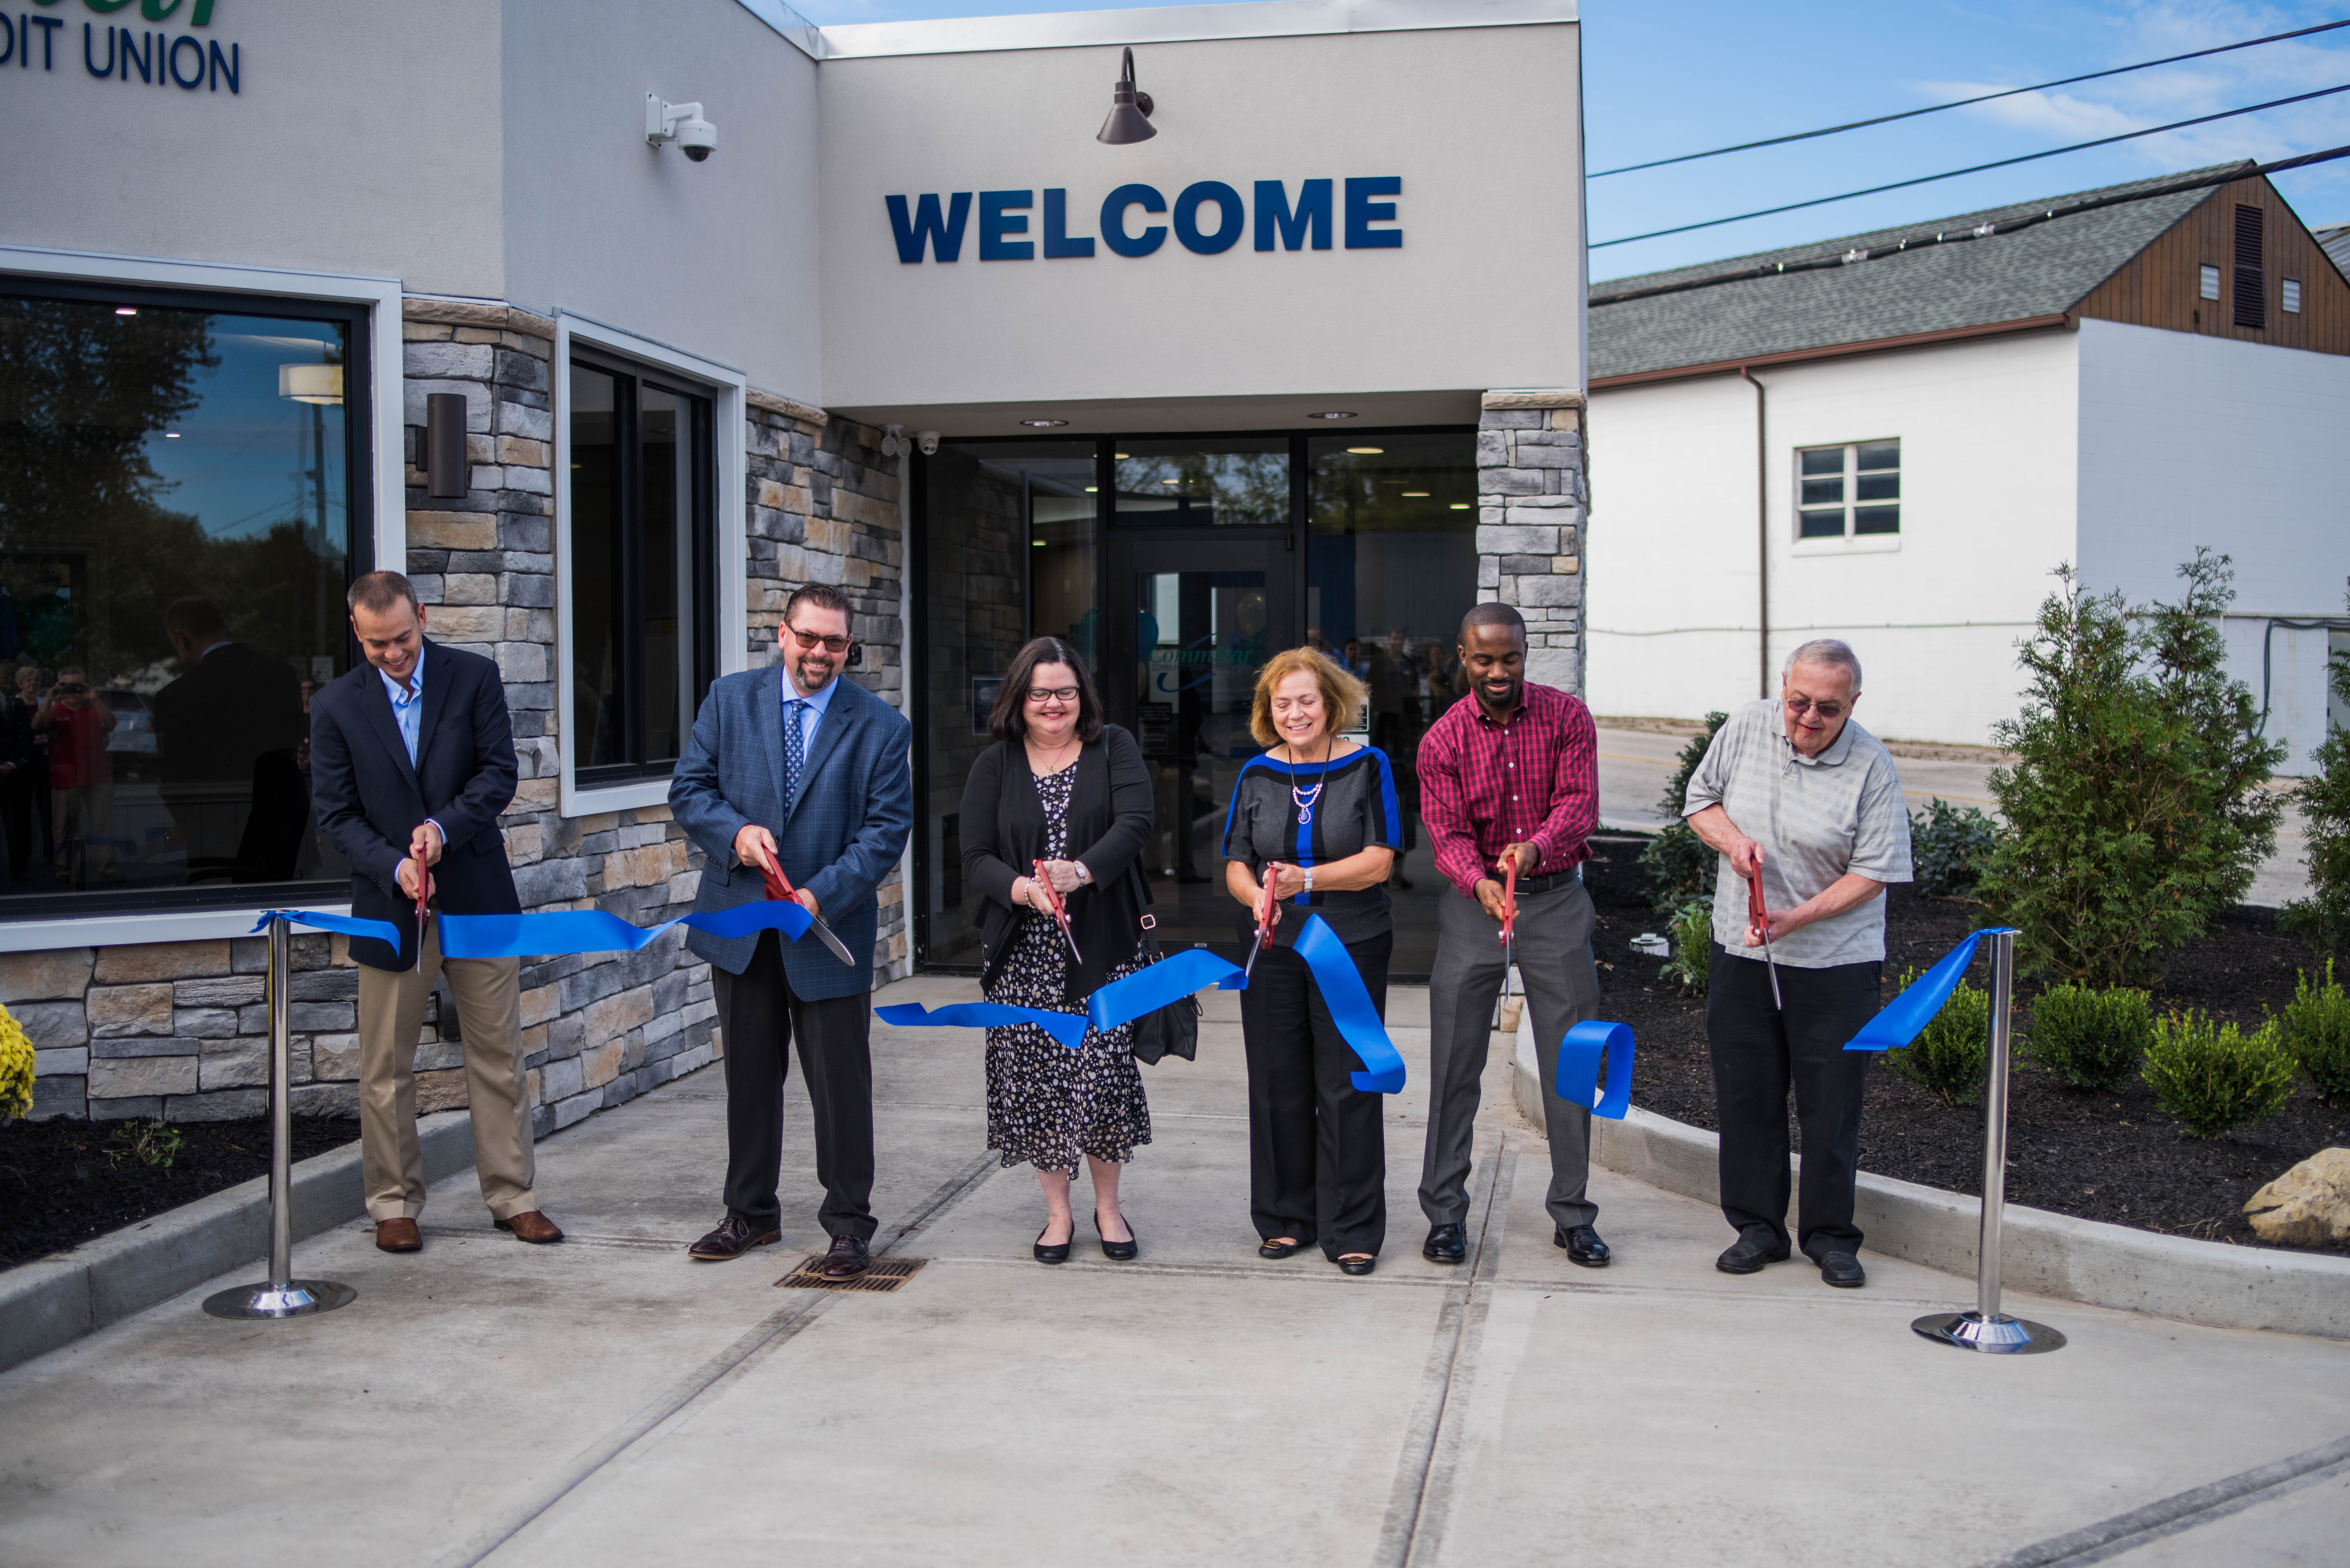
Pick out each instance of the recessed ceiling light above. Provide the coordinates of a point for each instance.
(1119, 455)
(170, 435)
(1044, 424)
(1170, 481)
(1415, 494)
(1332, 414)
(1459, 507)
(1091, 489)
(1038, 543)
(1366, 450)
(126, 310)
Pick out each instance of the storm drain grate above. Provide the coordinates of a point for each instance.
(884, 1275)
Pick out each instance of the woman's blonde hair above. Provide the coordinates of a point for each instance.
(1343, 696)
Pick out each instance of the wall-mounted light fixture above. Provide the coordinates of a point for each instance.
(1332, 414)
(1044, 424)
(681, 123)
(446, 475)
(1129, 111)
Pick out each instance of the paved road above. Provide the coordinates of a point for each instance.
(607, 1402)
(1634, 765)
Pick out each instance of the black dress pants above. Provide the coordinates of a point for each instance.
(1758, 1052)
(1317, 1145)
(761, 1016)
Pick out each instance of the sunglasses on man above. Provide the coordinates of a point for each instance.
(1828, 711)
(808, 640)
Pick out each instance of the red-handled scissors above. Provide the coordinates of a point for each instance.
(1060, 909)
(779, 888)
(1509, 923)
(423, 897)
(1758, 918)
(1267, 906)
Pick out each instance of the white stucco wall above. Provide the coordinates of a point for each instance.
(1480, 294)
(1987, 492)
(2188, 441)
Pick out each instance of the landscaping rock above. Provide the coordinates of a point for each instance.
(2308, 1206)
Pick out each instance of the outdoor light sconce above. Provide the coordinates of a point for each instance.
(1129, 110)
(681, 123)
(443, 457)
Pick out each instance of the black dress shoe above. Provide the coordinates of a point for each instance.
(732, 1238)
(1357, 1266)
(847, 1258)
(1445, 1244)
(1583, 1246)
(1843, 1270)
(1277, 1249)
(1748, 1255)
(1117, 1252)
(1054, 1254)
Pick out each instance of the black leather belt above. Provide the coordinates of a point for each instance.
(1551, 882)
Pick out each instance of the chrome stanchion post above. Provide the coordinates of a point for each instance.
(1986, 1328)
(280, 1295)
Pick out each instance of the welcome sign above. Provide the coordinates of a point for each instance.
(1207, 218)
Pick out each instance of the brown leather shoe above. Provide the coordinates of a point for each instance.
(398, 1236)
(847, 1258)
(732, 1238)
(532, 1226)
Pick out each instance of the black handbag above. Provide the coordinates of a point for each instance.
(1174, 1029)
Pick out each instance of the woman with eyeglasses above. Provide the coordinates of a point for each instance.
(1314, 818)
(1055, 816)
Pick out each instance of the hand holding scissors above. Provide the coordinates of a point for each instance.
(1060, 908)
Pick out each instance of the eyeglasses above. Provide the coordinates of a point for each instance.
(1831, 712)
(808, 640)
(1052, 693)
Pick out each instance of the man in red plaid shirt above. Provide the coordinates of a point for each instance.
(1512, 776)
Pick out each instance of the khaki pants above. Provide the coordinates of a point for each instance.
(488, 993)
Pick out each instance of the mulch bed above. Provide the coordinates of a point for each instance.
(58, 1185)
(2115, 1157)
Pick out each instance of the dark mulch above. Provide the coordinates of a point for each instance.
(2115, 1157)
(58, 1187)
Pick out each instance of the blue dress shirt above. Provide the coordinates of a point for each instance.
(810, 712)
(408, 712)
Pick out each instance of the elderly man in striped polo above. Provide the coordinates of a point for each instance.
(1793, 792)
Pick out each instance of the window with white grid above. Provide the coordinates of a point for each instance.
(1848, 492)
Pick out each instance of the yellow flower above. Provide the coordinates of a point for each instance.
(16, 1069)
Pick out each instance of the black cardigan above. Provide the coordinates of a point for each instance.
(1109, 824)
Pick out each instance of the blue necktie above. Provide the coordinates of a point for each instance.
(794, 751)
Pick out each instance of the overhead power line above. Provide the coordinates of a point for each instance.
(1974, 169)
(1959, 237)
(1961, 103)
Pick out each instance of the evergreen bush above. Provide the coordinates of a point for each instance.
(1678, 865)
(2090, 1039)
(1691, 934)
(2214, 1077)
(2323, 917)
(2135, 813)
(1949, 846)
(1949, 1057)
(2317, 1032)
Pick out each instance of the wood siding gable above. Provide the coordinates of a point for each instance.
(2161, 285)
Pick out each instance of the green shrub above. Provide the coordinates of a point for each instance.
(1948, 1058)
(1691, 934)
(2090, 1039)
(1949, 846)
(2135, 813)
(1678, 865)
(150, 1144)
(2323, 917)
(2317, 1032)
(2214, 1077)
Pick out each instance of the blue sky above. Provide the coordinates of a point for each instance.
(1681, 76)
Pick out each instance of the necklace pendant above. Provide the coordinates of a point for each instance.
(1305, 816)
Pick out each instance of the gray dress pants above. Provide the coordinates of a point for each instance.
(1553, 943)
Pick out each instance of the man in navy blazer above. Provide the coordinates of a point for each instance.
(411, 760)
(797, 769)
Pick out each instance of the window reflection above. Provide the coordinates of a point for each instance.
(1194, 483)
(175, 526)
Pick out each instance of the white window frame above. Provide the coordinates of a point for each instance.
(386, 453)
(2288, 294)
(729, 393)
(1847, 542)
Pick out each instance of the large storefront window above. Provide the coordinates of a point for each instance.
(178, 508)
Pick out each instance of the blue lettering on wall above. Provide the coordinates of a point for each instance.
(1057, 242)
(944, 235)
(1362, 213)
(936, 226)
(995, 221)
(1234, 217)
(1273, 214)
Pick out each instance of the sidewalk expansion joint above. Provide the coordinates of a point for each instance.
(2183, 1512)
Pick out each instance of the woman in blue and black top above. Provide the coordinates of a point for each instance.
(1316, 817)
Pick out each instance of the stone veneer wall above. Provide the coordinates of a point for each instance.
(180, 1030)
(1533, 496)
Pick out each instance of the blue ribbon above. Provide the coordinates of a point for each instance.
(1577, 1077)
(596, 931)
(1169, 980)
(1909, 1013)
(350, 925)
(1068, 1028)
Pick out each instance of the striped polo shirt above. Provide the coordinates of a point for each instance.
(1815, 818)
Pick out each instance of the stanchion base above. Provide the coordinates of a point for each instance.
(1998, 1335)
(297, 1298)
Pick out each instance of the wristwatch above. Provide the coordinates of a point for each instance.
(1308, 870)
(1085, 873)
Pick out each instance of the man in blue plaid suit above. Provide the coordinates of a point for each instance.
(794, 768)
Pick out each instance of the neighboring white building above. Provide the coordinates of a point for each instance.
(1895, 437)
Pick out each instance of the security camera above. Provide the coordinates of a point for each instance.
(928, 441)
(681, 123)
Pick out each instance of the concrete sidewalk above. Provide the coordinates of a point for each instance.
(608, 1402)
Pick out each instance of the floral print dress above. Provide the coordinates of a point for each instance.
(1048, 1104)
